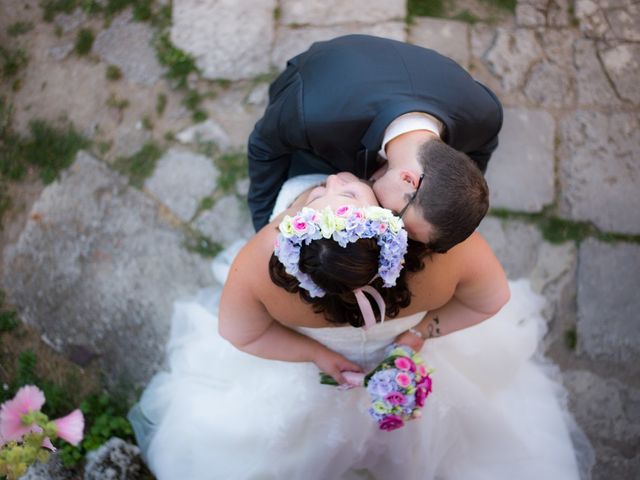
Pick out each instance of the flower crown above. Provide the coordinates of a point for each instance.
(347, 224)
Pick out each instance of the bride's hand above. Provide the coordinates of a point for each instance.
(334, 364)
(411, 340)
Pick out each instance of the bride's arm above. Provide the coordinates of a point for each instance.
(480, 292)
(247, 325)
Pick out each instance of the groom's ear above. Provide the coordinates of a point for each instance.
(410, 177)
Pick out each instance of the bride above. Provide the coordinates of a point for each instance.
(243, 400)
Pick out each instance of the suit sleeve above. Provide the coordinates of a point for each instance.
(482, 155)
(494, 117)
(275, 137)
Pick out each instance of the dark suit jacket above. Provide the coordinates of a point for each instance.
(335, 100)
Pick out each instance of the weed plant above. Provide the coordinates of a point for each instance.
(140, 165)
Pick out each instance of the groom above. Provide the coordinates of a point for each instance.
(406, 117)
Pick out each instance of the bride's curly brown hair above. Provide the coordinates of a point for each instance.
(338, 271)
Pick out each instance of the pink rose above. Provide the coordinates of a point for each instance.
(403, 363)
(382, 227)
(395, 398)
(299, 225)
(390, 422)
(403, 380)
(422, 371)
(343, 211)
(358, 214)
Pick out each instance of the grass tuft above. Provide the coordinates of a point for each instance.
(84, 41)
(139, 166)
(232, 167)
(113, 73)
(19, 28)
(12, 61)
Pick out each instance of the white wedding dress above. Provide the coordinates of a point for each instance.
(495, 413)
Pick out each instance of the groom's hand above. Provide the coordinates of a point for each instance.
(334, 364)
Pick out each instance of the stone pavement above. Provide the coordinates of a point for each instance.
(99, 263)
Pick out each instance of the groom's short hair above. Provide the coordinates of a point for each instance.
(454, 197)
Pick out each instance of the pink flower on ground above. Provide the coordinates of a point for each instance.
(27, 399)
(395, 398)
(70, 428)
(403, 363)
(390, 422)
(403, 379)
(46, 443)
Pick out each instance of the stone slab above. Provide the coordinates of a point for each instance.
(228, 221)
(593, 88)
(115, 459)
(521, 171)
(181, 180)
(127, 45)
(608, 303)
(229, 39)
(515, 243)
(98, 265)
(292, 41)
(606, 409)
(622, 64)
(600, 169)
(448, 37)
(511, 56)
(207, 131)
(333, 12)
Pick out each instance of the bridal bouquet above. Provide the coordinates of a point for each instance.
(398, 387)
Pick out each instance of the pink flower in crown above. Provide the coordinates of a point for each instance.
(403, 363)
(390, 422)
(70, 427)
(27, 399)
(395, 398)
(403, 380)
(300, 226)
(382, 228)
(344, 211)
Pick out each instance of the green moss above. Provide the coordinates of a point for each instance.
(508, 5)
(117, 103)
(232, 167)
(277, 13)
(5, 205)
(139, 166)
(113, 73)
(50, 8)
(425, 8)
(8, 317)
(192, 99)
(161, 103)
(51, 149)
(558, 230)
(179, 63)
(12, 61)
(571, 338)
(206, 203)
(466, 16)
(19, 28)
(84, 41)
(147, 124)
(199, 116)
(203, 246)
